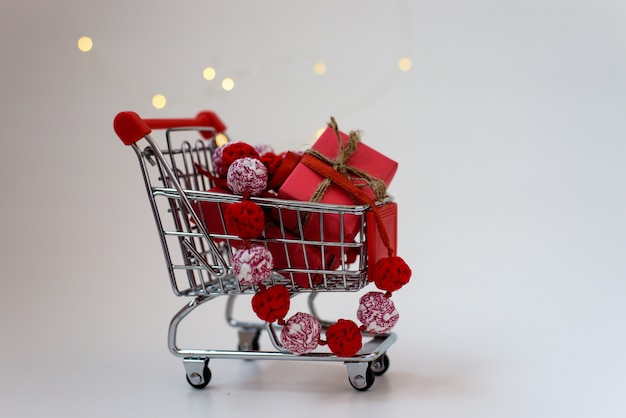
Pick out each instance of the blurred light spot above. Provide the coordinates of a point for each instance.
(85, 43)
(228, 84)
(319, 68)
(319, 132)
(208, 73)
(404, 64)
(221, 139)
(159, 101)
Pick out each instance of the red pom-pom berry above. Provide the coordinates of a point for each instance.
(235, 151)
(344, 338)
(391, 273)
(272, 162)
(263, 149)
(272, 303)
(245, 219)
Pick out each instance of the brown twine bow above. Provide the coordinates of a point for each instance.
(341, 165)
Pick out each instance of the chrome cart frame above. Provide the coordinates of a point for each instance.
(199, 262)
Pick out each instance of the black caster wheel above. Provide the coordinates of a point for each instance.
(380, 365)
(249, 340)
(200, 380)
(363, 382)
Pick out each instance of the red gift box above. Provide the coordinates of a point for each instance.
(211, 213)
(299, 255)
(303, 182)
(294, 254)
(376, 247)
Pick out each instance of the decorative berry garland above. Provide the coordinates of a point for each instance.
(248, 172)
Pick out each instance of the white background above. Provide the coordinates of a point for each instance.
(509, 131)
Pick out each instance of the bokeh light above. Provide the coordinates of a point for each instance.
(221, 139)
(319, 68)
(209, 73)
(228, 84)
(159, 101)
(404, 64)
(85, 43)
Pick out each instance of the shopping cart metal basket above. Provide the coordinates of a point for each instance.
(199, 262)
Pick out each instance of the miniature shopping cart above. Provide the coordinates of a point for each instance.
(199, 262)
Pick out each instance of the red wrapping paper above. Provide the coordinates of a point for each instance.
(302, 183)
(291, 255)
(376, 248)
(298, 256)
(211, 213)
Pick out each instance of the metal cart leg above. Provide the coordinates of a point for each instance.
(249, 332)
(180, 315)
(313, 310)
(197, 369)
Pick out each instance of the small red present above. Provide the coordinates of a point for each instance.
(211, 213)
(377, 248)
(365, 167)
(290, 252)
(223, 216)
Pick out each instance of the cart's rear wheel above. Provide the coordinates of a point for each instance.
(249, 340)
(380, 365)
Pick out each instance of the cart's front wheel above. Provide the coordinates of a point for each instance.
(361, 376)
(200, 382)
(198, 373)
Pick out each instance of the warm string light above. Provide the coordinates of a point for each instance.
(85, 43)
(159, 101)
(404, 64)
(319, 68)
(228, 84)
(221, 139)
(209, 73)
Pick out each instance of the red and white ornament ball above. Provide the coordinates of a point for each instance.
(247, 175)
(377, 312)
(252, 265)
(217, 159)
(301, 333)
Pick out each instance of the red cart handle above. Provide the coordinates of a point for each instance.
(131, 127)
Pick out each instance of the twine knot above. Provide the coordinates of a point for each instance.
(341, 165)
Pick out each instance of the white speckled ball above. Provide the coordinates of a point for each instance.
(247, 175)
(301, 333)
(263, 148)
(377, 312)
(252, 265)
(217, 160)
